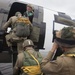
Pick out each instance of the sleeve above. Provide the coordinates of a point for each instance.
(48, 66)
(8, 23)
(18, 64)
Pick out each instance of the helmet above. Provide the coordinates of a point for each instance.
(28, 42)
(66, 37)
(16, 14)
(30, 6)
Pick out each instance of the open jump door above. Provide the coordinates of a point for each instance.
(37, 20)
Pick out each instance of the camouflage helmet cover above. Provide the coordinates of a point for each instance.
(66, 37)
(28, 42)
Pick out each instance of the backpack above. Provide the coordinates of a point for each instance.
(31, 65)
(22, 27)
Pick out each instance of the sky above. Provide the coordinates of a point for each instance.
(66, 6)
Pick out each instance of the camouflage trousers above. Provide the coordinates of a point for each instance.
(11, 37)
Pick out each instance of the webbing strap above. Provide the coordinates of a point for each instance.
(33, 57)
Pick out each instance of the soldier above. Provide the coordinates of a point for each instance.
(11, 22)
(29, 13)
(28, 60)
(64, 64)
(12, 36)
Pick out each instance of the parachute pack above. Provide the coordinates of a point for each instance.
(22, 27)
(31, 65)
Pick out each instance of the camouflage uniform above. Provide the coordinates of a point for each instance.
(64, 64)
(28, 46)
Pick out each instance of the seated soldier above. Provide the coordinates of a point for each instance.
(28, 62)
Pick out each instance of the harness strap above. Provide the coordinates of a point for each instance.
(33, 57)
